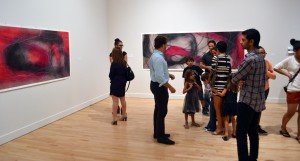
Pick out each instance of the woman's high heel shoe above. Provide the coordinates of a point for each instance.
(123, 118)
(114, 122)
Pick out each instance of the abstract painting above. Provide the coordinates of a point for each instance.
(32, 56)
(181, 45)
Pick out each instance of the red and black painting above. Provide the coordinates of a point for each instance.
(181, 45)
(32, 56)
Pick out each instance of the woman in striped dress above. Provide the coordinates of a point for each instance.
(222, 67)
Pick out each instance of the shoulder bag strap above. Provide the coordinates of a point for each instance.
(128, 81)
(128, 86)
(294, 77)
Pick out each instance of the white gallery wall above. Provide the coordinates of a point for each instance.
(276, 20)
(26, 109)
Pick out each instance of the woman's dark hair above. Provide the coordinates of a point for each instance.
(117, 41)
(252, 34)
(211, 41)
(117, 57)
(222, 46)
(189, 58)
(295, 44)
(159, 41)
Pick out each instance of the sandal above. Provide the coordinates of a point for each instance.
(225, 138)
(233, 136)
(298, 139)
(195, 124)
(186, 126)
(217, 133)
(284, 133)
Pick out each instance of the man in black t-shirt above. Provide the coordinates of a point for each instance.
(206, 62)
(198, 72)
(207, 57)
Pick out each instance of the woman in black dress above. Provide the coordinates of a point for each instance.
(119, 45)
(117, 76)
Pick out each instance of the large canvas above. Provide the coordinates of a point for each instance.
(181, 45)
(32, 56)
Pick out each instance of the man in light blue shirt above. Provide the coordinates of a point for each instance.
(159, 87)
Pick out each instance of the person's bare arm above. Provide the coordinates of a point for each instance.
(222, 93)
(186, 88)
(203, 66)
(170, 87)
(280, 71)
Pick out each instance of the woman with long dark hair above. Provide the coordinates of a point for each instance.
(117, 76)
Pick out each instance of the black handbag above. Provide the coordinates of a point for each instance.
(129, 75)
(285, 87)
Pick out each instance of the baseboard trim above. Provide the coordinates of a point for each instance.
(38, 124)
(276, 100)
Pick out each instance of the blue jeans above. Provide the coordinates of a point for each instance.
(206, 101)
(212, 116)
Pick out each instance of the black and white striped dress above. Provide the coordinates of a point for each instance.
(222, 65)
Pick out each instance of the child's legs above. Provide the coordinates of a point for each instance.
(193, 118)
(201, 98)
(186, 115)
(206, 100)
(212, 116)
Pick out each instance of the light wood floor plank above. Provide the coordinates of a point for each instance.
(87, 135)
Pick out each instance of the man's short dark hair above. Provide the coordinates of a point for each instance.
(252, 34)
(159, 41)
(189, 58)
(211, 41)
(222, 46)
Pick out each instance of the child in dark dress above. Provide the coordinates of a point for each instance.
(191, 101)
(198, 72)
(229, 107)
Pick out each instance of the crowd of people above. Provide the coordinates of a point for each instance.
(219, 97)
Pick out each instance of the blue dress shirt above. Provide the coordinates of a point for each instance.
(158, 68)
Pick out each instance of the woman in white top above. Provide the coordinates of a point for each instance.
(291, 65)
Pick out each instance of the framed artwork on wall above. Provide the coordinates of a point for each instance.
(181, 45)
(32, 56)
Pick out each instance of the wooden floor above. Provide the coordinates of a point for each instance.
(88, 136)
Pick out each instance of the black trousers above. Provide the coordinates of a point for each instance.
(247, 120)
(161, 98)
